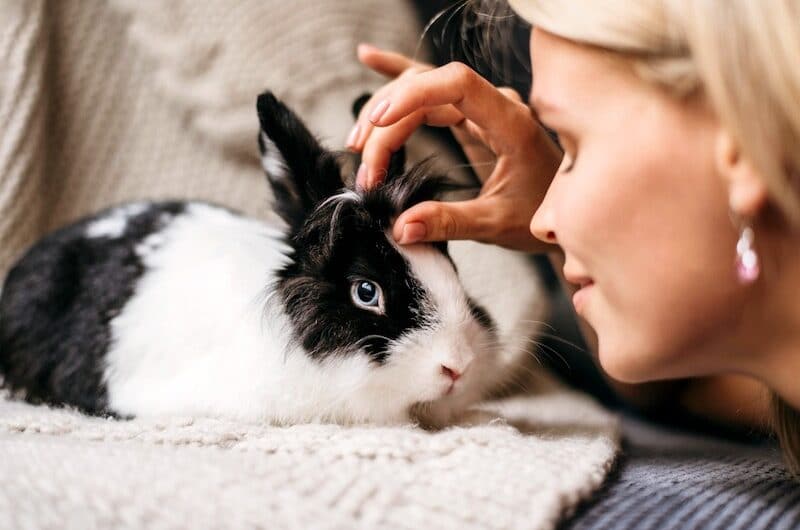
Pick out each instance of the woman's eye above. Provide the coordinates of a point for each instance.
(567, 163)
(367, 295)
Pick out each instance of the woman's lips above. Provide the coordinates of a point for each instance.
(581, 295)
(584, 283)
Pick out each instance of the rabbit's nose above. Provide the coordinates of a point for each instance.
(451, 373)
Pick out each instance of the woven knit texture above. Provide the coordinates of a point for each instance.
(671, 480)
(104, 102)
(63, 470)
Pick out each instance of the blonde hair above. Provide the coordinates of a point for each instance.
(740, 55)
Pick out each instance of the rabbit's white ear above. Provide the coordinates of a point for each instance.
(301, 172)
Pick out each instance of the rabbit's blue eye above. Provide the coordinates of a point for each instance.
(368, 295)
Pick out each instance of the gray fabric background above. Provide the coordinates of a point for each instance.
(671, 480)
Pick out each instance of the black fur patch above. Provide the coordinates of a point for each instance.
(314, 171)
(359, 103)
(316, 288)
(57, 303)
(481, 315)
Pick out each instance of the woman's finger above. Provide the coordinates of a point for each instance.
(386, 140)
(510, 93)
(363, 127)
(481, 158)
(504, 119)
(390, 64)
(442, 221)
(445, 116)
(496, 220)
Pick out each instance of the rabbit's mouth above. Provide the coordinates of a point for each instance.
(453, 388)
(437, 413)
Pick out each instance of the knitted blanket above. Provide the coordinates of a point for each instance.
(523, 461)
(525, 469)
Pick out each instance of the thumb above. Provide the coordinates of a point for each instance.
(441, 221)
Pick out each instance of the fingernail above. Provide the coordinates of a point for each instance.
(365, 46)
(413, 232)
(378, 111)
(361, 176)
(353, 136)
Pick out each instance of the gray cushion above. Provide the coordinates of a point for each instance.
(672, 480)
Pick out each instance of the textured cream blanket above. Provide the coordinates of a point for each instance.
(62, 470)
(102, 102)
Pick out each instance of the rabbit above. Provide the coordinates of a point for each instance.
(189, 308)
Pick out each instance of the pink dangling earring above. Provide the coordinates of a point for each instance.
(747, 266)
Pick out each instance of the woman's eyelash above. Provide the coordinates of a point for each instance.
(553, 135)
(571, 163)
(566, 154)
(557, 139)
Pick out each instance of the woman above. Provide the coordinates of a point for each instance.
(676, 203)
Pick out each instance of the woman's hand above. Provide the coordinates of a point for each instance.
(510, 151)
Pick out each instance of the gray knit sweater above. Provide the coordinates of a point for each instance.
(102, 102)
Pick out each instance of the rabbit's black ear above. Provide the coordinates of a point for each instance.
(301, 172)
(397, 162)
(359, 103)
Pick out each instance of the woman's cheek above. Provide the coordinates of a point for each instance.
(656, 325)
(607, 238)
(628, 343)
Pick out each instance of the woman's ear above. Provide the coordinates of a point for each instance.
(747, 193)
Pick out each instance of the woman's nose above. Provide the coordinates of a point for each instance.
(542, 225)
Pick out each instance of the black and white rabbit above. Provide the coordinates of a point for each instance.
(189, 308)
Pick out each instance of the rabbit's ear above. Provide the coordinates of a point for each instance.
(359, 103)
(397, 162)
(301, 172)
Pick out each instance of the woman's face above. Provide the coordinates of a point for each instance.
(640, 211)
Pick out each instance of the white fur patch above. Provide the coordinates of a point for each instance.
(272, 161)
(114, 223)
(191, 338)
(440, 280)
(149, 245)
(344, 195)
(506, 284)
